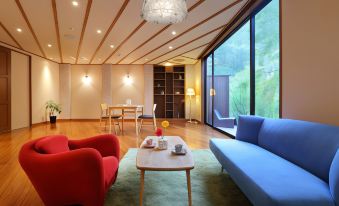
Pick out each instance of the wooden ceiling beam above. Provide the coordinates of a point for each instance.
(125, 40)
(159, 32)
(191, 28)
(30, 26)
(122, 8)
(56, 24)
(84, 25)
(187, 43)
(198, 47)
(10, 35)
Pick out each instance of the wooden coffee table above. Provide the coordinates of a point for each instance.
(164, 160)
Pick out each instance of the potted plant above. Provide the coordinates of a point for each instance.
(53, 108)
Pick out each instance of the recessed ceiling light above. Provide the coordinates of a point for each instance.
(19, 30)
(75, 3)
(49, 45)
(174, 32)
(99, 31)
(112, 46)
(51, 58)
(170, 47)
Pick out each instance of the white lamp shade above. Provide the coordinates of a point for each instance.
(190, 92)
(164, 11)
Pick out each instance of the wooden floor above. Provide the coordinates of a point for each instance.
(15, 187)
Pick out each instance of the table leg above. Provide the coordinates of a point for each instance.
(188, 176)
(142, 178)
(122, 121)
(136, 121)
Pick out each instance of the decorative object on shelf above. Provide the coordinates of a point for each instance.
(162, 92)
(128, 101)
(190, 92)
(52, 109)
(158, 85)
(177, 92)
(180, 77)
(164, 11)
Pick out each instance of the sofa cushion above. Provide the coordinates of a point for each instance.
(111, 165)
(52, 144)
(334, 178)
(309, 145)
(249, 128)
(267, 179)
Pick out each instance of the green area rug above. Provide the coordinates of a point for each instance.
(209, 185)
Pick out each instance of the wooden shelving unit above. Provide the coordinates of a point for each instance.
(169, 91)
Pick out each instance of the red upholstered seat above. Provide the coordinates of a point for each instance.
(71, 172)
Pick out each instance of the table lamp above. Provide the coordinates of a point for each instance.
(190, 92)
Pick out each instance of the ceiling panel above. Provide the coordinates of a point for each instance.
(127, 22)
(194, 54)
(12, 19)
(181, 50)
(4, 37)
(97, 21)
(70, 24)
(201, 26)
(43, 27)
(198, 15)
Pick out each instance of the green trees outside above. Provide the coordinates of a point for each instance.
(267, 61)
(233, 58)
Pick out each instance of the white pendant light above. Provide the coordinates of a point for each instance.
(164, 11)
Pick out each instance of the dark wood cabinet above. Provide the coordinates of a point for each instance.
(169, 91)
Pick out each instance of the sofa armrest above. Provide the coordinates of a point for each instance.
(334, 178)
(248, 128)
(107, 144)
(76, 177)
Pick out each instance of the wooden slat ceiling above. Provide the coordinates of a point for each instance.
(101, 31)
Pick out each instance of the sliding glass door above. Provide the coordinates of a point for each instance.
(242, 74)
(231, 79)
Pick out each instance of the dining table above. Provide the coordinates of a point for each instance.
(125, 109)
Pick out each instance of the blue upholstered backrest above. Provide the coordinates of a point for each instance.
(249, 128)
(334, 178)
(309, 145)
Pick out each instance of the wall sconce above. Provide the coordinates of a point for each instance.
(87, 80)
(128, 80)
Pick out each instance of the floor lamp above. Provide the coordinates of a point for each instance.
(190, 92)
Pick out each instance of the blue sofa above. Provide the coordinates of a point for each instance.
(282, 162)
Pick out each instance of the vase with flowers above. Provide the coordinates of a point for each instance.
(162, 141)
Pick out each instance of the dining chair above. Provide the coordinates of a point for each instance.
(148, 117)
(105, 116)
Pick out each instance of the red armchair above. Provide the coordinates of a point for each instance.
(71, 172)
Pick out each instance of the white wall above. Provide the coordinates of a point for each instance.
(65, 90)
(19, 90)
(86, 98)
(45, 87)
(148, 89)
(193, 80)
(310, 63)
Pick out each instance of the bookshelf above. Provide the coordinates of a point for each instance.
(169, 91)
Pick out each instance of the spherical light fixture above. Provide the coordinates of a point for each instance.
(164, 11)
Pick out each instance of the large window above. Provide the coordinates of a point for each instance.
(267, 61)
(242, 74)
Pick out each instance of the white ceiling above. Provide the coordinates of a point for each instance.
(135, 41)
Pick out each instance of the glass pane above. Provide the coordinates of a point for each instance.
(209, 87)
(267, 61)
(232, 79)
